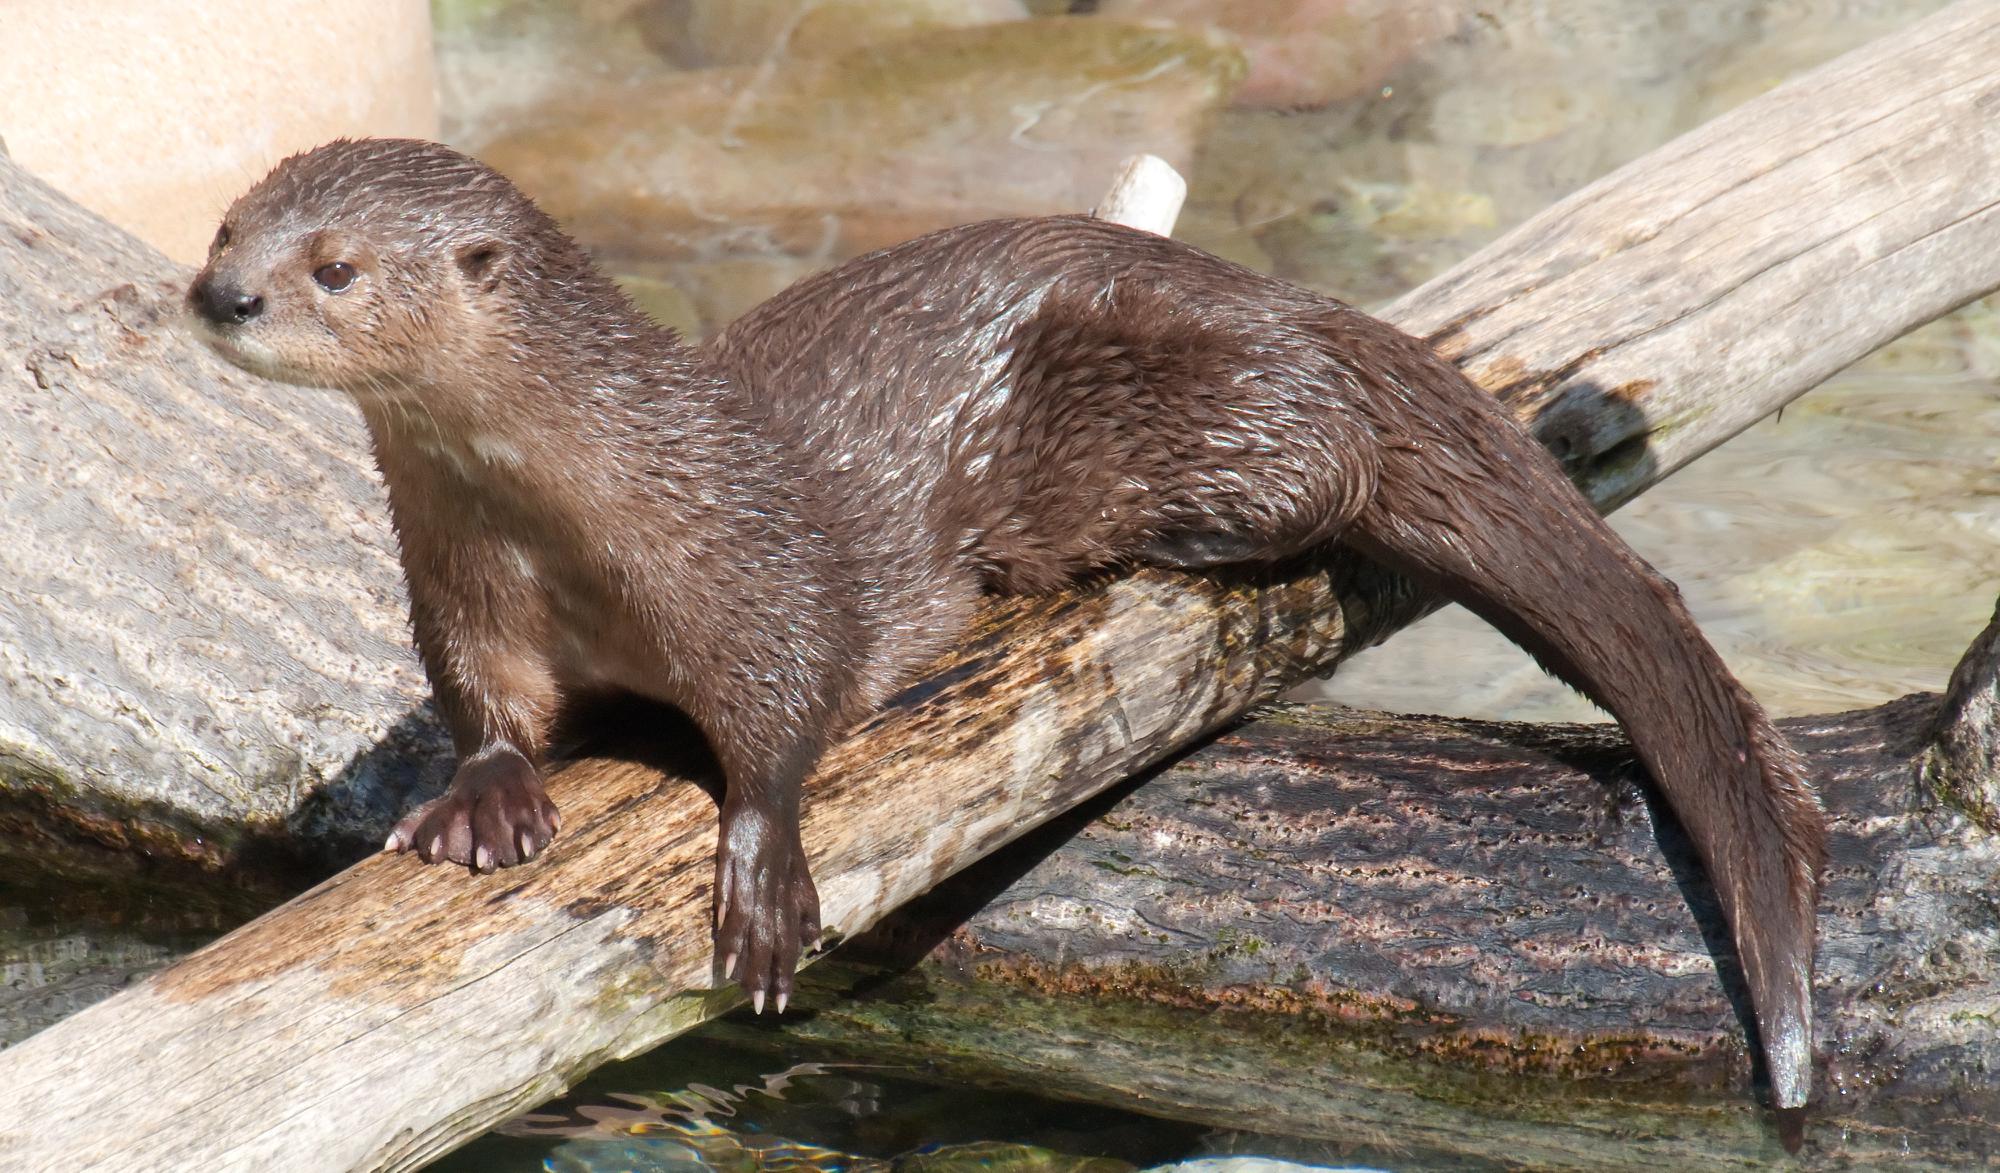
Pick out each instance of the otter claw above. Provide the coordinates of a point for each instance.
(494, 815)
(1791, 1124)
(766, 907)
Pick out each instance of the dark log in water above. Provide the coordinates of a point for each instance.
(1425, 936)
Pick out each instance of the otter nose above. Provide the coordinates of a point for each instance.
(224, 304)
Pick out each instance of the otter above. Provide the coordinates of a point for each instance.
(774, 531)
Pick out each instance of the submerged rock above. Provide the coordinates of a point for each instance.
(1305, 53)
(744, 32)
(833, 156)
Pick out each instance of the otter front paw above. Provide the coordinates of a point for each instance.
(766, 908)
(495, 815)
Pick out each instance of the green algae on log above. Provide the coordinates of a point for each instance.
(396, 1010)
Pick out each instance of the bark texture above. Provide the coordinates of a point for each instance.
(203, 648)
(1962, 764)
(1429, 939)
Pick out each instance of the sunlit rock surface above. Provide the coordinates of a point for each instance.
(156, 115)
(961, 124)
(205, 663)
(1306, 53)
(746, 32)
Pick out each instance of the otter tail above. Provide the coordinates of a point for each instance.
(1560, 583)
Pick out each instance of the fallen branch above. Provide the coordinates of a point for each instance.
(396, 1010)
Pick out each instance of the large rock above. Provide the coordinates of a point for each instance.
(156, 115)
(1306, 53)
(744, 32)
(202, 635)
(833, 156)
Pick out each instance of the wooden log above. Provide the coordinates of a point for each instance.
(395, 1010)
(1147, 193)
(204, 645)
(1466, 937)
(1962, 764)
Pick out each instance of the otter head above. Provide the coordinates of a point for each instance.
(374, 266)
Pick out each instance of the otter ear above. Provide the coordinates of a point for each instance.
(483, 262)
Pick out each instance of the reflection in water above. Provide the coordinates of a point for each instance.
(674, 1130)
(68, 941)
(728, 1114)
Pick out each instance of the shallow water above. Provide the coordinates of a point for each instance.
(66, 942)
(696, 1104)
(1838, 555)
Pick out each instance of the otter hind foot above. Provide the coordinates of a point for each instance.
(766, 907)
(496, 814)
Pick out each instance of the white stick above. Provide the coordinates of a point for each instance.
(1145, 194)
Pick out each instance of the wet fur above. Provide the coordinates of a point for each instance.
(775, 531)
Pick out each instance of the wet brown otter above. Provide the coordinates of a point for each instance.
(776, 530)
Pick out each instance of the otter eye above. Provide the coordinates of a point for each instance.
(221, 240)
(334, 277)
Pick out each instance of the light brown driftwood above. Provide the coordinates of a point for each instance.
(395, 1010)
(1146, 193)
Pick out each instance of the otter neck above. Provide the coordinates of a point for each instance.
(540, 417)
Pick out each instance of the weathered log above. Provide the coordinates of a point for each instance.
(1444, 939)
(1962, 764)
(202, 624)
(395, 1010)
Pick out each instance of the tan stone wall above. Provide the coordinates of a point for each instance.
(157, 114)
